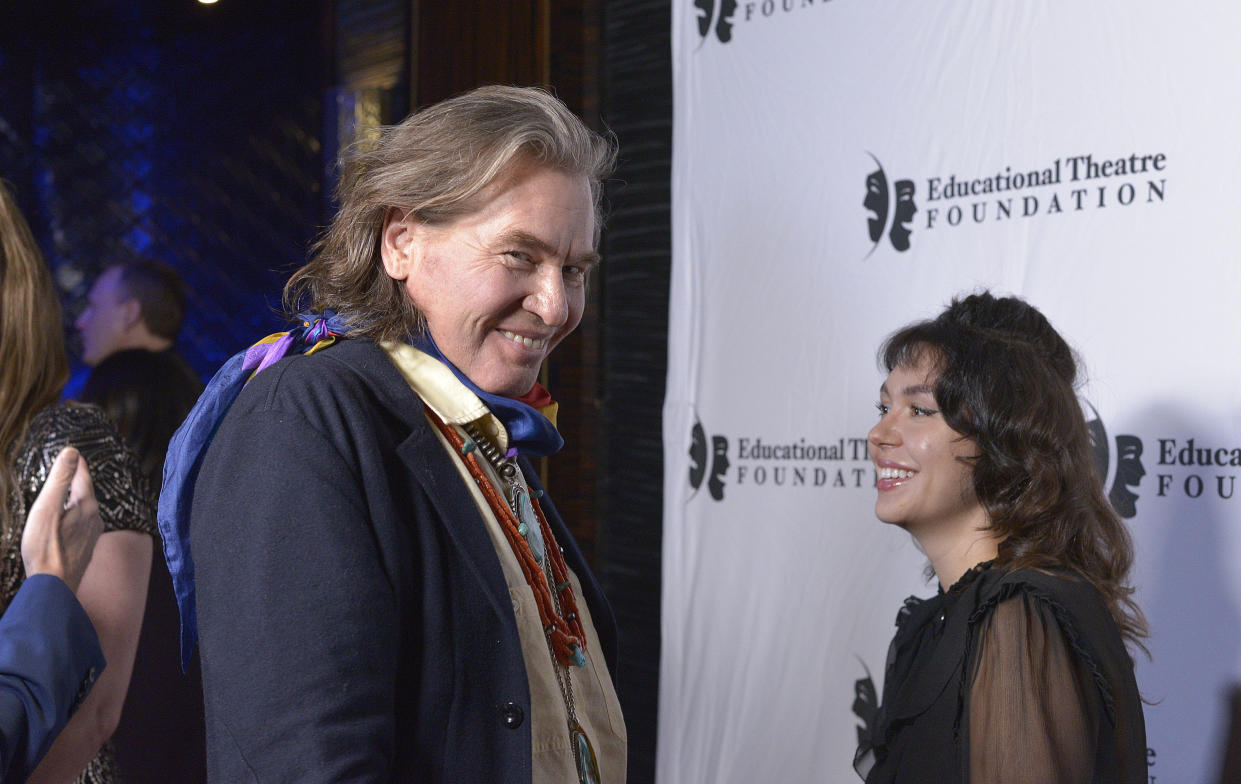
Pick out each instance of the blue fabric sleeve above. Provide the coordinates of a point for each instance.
(49, 659)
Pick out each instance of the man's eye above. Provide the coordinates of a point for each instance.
(518, 255)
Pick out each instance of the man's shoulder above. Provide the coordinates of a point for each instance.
(346, 364)
(353, 375)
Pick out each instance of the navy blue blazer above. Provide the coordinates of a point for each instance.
(49, 659)
(353, 617)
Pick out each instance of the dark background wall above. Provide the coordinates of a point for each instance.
(636, 77)
(183, 132)
(206, 137)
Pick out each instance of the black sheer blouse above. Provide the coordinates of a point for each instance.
(1007, 678)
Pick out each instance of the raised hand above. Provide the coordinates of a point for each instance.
(64, 523)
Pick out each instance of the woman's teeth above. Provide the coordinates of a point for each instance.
(895, 473)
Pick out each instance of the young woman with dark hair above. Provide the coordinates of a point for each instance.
(146, 396)
(1017, 671)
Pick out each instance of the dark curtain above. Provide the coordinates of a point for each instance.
(636, 104)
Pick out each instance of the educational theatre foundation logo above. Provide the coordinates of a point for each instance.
(947, 201)
(762, 464)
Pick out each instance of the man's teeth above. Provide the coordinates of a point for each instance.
(535, 343)
(894, 473)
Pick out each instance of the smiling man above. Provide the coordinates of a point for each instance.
(383, 591)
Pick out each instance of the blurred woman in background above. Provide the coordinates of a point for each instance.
(161, 738)
(33, 429)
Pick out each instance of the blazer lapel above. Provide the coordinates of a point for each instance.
(429, 465)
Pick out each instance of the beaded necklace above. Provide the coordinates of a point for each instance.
(543, 565)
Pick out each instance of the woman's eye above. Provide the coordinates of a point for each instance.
(920, 411)
(882, 408)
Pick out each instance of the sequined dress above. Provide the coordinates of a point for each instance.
(120, 488)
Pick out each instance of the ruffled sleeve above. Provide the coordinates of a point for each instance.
(1034, 703)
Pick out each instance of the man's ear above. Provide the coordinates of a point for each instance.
(396, 243)
(131, 313)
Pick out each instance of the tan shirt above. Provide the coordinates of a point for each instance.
(594, 695)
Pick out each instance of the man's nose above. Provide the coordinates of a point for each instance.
(549, 301)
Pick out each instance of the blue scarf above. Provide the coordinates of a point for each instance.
(530, 433)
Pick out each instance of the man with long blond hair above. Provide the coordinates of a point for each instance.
(382, 588)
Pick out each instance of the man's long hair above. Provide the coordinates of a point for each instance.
(33, 366)
(434, 165)
(1004, 378)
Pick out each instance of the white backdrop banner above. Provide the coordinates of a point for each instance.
(842, 168)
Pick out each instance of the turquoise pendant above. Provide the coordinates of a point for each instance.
(534, 536)
(587, 767)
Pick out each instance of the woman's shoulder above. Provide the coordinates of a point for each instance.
(1062, 596)
(1063, 606)
(122, 490)
(61, 422)
(52, 429)
(1052, 586)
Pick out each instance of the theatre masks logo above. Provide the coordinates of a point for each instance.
(715, 16)
(897, 204)
(1122, 468)
(865, 704)
(704, 455)
(719, 19)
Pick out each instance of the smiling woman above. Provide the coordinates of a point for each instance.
(925, 477)
(1017, 670)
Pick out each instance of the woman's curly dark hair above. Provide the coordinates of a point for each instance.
(1006, 380)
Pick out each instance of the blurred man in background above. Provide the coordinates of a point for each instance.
(128, 329)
